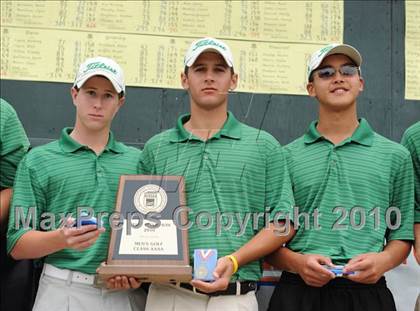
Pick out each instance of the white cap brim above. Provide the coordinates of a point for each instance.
(344, 49)
(318, 57)
(189, 62)
(79, 83)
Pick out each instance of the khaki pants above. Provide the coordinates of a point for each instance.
(170, 297)
(60, 295)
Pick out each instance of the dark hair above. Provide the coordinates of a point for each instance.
(311, 76)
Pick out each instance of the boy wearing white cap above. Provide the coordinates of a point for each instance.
(360, 183)
(229, 168)
(80, 170)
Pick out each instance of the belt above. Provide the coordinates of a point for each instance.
(237, 288)
(68, 275)
(337, 282)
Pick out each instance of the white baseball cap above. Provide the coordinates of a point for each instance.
(101, 66)
(208, 45)
(334, 48)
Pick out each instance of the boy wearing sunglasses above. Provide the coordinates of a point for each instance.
(362, 186)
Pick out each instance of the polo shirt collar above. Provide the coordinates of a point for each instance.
(363, 134)
(312, 135)
(69, 145)
(231, 129)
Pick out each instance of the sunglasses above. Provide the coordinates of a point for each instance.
(345, 70)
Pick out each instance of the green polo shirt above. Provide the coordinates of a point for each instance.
(13, 144)
(363, 176)
(240, 170)
(411, 140)
(63, 175)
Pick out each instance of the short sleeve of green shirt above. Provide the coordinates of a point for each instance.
(279, 195)
(145, 165)
(402, 199)
(13, 144)
(411, 140)
(28, 199)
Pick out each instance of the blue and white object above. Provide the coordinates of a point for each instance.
(205, 261)
(84, 221)
(338, 270)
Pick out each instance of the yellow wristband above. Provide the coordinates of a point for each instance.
(235, 263)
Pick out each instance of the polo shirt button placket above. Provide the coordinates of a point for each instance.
(333, 161)
(99, 169)
(205, 153)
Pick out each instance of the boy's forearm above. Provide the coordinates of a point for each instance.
(284, 259)
(396, 251)
(37, 244)
(265, 242)
(5, 197)
(417, 242)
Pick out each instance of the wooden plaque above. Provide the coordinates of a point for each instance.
(155, 247)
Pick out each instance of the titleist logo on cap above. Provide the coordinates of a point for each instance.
(97, 65)
(208, 42)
